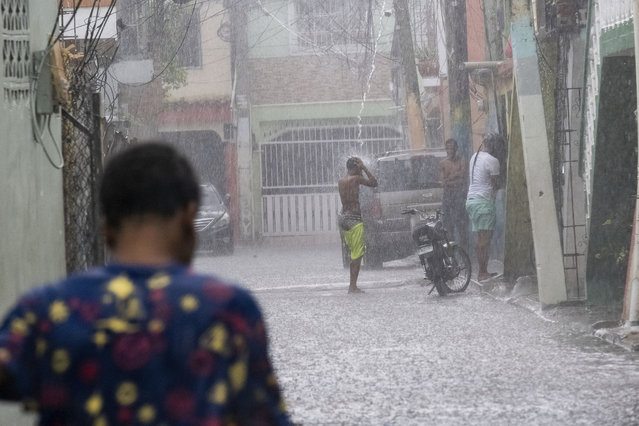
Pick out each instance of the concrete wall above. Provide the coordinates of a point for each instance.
(281, 72)
(614, 181)
(272, 30)
(31, 207)
(519, 256)
(213, 79)
(303, 79)
(31, 211)
(609, 33)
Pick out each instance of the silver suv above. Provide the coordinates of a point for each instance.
(405, 178)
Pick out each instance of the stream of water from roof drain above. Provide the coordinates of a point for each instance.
(370, 76)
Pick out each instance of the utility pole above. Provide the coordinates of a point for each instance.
(457, 46)
(414, 114)
(549, 257)
(239, 38)
(495, 50)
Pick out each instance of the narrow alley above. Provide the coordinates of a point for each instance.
(398, 356)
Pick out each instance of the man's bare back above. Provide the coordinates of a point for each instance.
(350, 220)
(349, 187)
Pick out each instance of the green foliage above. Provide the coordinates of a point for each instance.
(167, 27)
(618, 224)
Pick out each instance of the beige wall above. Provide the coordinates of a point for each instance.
(213, 79)
(313, 78)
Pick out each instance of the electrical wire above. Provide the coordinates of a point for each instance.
(38, 131)
(37, 127)
(173, 56)
(39, 124)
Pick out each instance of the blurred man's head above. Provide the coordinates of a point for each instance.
(492, 142)
(351, 164)
(150, 183)
(354, 166)
(451, 148)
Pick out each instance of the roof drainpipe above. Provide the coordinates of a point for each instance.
(631, 305)
(584, 96)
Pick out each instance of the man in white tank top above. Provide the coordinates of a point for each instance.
(480, 202)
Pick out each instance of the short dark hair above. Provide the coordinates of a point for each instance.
(146, 178)
(493, 141)
(451, 140)
(351, 163)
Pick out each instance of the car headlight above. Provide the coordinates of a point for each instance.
(223, 221)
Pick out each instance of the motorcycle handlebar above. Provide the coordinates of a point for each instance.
(438, 213)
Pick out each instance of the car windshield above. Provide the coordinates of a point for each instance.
(210, 198)
(416, 173)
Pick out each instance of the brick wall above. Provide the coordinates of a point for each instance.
(301, 79)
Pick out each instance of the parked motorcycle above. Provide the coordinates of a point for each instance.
(446, 265)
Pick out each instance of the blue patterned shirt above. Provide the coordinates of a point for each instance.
(134, 345)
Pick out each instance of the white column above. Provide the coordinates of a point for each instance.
(543, 212)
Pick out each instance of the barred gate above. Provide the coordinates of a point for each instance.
(301, 164)
(300, 214)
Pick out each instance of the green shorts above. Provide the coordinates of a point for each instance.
(354, 239)
(482, 214)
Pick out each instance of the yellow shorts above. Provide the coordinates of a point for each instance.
(354, 239)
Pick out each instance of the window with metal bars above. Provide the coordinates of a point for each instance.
(328, 23)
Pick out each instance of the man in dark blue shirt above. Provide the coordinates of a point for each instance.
(142, 340)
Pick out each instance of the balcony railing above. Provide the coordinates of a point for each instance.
(613, 13)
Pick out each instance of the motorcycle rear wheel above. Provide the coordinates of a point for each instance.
(459, 270)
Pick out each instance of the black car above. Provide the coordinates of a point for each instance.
(213, 223)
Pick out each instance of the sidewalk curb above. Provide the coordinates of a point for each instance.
(625, 337)
(525, 295)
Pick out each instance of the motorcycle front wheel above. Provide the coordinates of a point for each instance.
(433, 274)
(457, 270)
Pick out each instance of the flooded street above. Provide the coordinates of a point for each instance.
(398, 356)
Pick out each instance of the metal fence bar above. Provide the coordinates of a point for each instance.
(82, 150)
(303, 157)
(300, 214)
(308, 199)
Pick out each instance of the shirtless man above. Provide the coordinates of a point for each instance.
(453, 173)
(350, 220)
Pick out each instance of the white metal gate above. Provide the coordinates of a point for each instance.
(301, 214)
(301, 163)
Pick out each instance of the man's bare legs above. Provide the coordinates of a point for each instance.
(355, 266)
(483, 253)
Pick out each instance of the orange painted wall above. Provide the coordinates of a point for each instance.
(475, 30)
(476, 36)
(476, 39)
